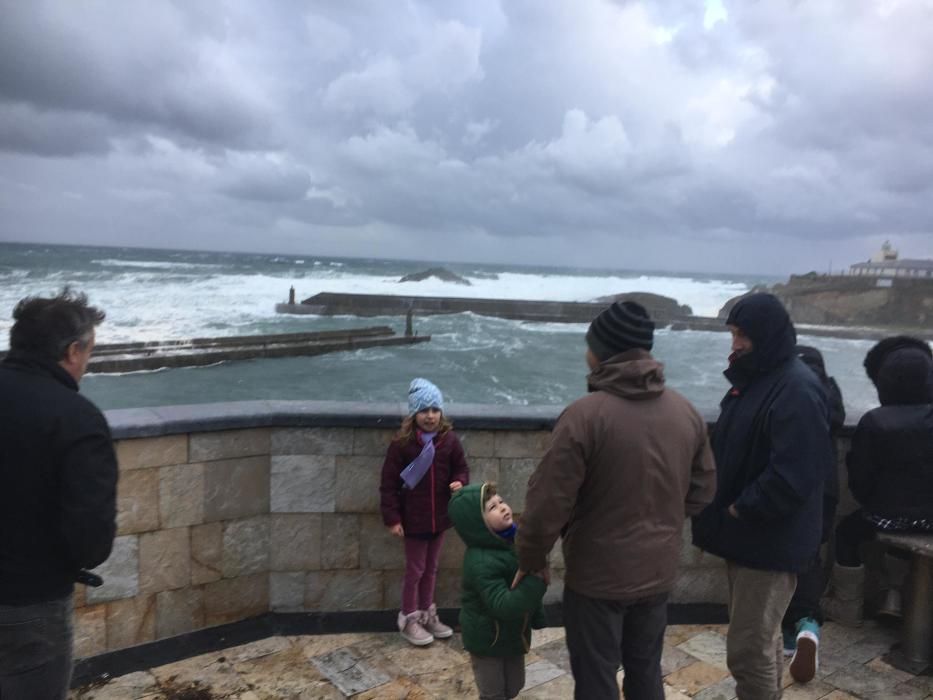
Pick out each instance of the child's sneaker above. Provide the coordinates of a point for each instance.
(807, 657)
(790, 640)
(432, 623)
(412, 631)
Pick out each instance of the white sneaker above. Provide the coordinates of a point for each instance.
(806, 661)
(411, 629)
(432, 623)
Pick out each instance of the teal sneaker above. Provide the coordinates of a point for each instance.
(806, 659)
(790, 641)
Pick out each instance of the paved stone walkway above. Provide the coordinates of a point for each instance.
(371, 666)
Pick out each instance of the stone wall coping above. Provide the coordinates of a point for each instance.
(196, 418)
(235, 415)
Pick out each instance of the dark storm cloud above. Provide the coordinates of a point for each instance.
(268, 183)
(689, 134)
(143, 63)
(24, 129)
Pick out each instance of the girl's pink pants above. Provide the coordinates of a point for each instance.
(421, 557)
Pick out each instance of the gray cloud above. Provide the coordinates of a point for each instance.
(25, 129)
(148, 64)
(558, 132)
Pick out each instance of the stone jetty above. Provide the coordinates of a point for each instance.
(335, 304)
(198, 352)
(664, 310)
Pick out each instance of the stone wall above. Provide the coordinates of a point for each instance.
(219, 521)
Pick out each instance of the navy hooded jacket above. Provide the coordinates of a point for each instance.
(772, 447)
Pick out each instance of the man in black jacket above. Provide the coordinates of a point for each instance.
(58, 476)
(772, 451)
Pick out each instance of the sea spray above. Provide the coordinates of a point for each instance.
(161, 295)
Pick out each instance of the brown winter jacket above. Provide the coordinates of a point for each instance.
(625, 466)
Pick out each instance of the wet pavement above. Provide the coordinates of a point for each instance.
(369, 666)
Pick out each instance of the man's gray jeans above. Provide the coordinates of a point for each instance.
(35, 650)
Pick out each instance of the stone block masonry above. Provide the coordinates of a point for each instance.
(230, 511)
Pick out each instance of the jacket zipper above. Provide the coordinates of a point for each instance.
(433, 497)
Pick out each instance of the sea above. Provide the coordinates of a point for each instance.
(153, 294)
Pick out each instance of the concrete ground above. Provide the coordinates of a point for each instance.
(370, 666)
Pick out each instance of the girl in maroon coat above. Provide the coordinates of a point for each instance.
(424, 464)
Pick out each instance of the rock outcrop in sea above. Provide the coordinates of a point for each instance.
(438, 272)
(657, 305)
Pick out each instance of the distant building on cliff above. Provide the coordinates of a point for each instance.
(884, 263)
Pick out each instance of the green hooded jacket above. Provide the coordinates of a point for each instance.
(495, 620)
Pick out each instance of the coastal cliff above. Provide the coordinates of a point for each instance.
(854, 301)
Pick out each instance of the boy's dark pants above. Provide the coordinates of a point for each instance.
(35, 650)
(498, 677)
(601, 634)
(811, 584)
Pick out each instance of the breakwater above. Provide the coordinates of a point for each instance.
(663, 310)
(199, 352)
(335, 304)
(700, 323)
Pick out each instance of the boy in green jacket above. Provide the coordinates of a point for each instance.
(496, 620)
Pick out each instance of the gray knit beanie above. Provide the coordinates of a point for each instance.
(623, 326)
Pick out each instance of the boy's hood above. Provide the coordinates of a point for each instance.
(466, 511)
(905, 378)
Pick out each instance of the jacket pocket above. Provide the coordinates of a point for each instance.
(480, 633)
(706, 528)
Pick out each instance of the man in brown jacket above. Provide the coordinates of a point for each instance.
(626, 465)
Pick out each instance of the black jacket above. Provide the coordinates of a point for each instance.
(58, 478)
(813, 359)
(891, 460)
(772, 447)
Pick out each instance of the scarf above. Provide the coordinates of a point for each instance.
(414, 472)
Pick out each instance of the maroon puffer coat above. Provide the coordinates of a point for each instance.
(422, 510)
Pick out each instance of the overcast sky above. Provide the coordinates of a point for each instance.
(738, 136)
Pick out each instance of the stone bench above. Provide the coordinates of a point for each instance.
(917, 632)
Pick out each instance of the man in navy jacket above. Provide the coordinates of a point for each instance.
(772, 447)
(58, 477)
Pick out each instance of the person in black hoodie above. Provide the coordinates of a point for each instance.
(804, 617)
(772, 450)
(890, 465)
(58, 477)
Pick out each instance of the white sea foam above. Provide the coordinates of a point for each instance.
(145, 307)
(156, 264)
(158, 300)
(475, 358)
